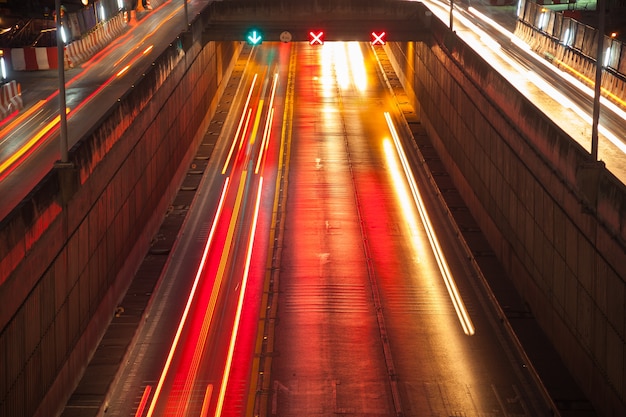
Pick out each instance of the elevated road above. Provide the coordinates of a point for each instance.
(342, 20)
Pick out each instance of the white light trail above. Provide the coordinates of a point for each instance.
(242, 293)
(243, 113)
(190, 299)
(453, 291)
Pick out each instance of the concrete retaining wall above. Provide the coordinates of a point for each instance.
(69, 251)
(555, 218)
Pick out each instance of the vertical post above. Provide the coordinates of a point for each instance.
(186, 17)
(598, 84)
(451, 15)
(62, 103)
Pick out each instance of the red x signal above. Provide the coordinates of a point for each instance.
(316, 38)
(378, 38)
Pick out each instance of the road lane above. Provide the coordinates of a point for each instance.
(212, 338)
(91, 90)
(366, 324)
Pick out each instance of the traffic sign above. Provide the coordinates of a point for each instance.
(316, 38)
(378, 38)
(255, 37)
(285, 36)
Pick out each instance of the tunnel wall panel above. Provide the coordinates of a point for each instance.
(69, 251)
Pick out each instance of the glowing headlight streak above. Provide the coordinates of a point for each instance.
(123, 70)
(268, 125)
(20, 119)
(242, 293)
(241, 120)
(453, 291)
(564, 75)
(265, 143)
(357, 65)
(31, 144)
(3, 68)
(257, 120)
(135, 59)
(192, 293)
(408, 205)
(327, 69)
(341, 64)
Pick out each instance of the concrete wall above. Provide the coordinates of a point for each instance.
(69, 251)
(555, 219)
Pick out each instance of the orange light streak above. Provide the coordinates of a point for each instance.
(268, 123)
(30, 145)
(183, 319)
(9, 117)
(21, 118)
(242, 293)
(123, 70)
(144, 400)
(266, 140)
(232, 148)
(455, 297)
(257, 119)
(129, 34)
(245, 129)
(206, 401)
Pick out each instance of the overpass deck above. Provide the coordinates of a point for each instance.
(342, 20)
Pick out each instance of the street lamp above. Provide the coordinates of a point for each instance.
(598, 84)
(186, 17)
(61, 68)
(3, 68)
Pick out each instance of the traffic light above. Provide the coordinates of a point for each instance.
(378, 38)
(316, 37)
(254, 37)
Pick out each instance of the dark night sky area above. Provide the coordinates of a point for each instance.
(33, 8)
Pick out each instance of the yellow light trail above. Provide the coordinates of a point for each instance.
(242, 293)
(192, 293)
(21, 118)
(453, 291)
(31, 142)
(241, 120)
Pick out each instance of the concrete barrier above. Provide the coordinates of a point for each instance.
(33, 59)
(10, 98)
(571, 60)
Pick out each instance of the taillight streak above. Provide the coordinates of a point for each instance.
(242, 293)
(183, 319)
(241, 121)
(30, 145)
(265, 142)
(268, 125)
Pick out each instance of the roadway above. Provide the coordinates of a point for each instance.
(29, 144)
(559, 94)
(378, 311)
(193, 354)
(372, 319)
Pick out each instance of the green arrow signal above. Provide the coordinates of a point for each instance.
(255, 38)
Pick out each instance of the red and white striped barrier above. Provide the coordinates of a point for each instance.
(10, 98)
(81, 50)
(32, 59)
